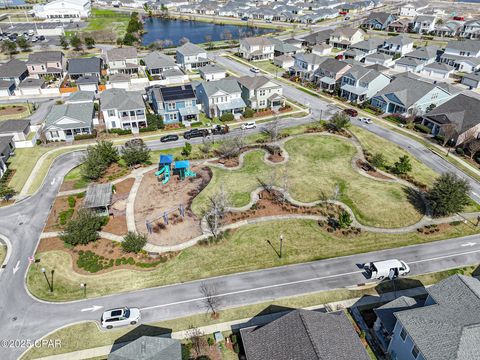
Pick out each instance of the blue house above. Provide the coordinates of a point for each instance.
(378, 20)
(175, 103)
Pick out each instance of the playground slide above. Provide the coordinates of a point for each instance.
(190, 173)
(166, 171)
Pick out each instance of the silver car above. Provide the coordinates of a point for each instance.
(120, 317)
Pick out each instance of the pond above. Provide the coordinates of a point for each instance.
(195, 31)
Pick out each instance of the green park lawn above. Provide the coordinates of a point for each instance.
(318, 166)
(103, 19)
(242, 250)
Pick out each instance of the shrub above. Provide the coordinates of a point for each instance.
(82, 229)
(227, 117)
(84, 137)
(64, 216)
(248, 113)
(422, 128)
(236, 348)
(134, 153)
(98, 158)
(187, 149)
(38, 142)
(344, 220)
(120, 131)
(210, 341)
(133, 242)
(460, 151)
(71, 201)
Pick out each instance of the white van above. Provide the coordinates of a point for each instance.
(386, 269)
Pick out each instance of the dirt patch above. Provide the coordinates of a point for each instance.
(123, 188)
(116, 225)
(113, 172)
(12, 110)
(68, 185)
(274, 155)
(371, 171)
(276, 158)
(60, 206)
(153, 199)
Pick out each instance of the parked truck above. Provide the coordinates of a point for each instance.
(386, 269)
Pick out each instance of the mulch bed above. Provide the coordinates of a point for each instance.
(371, 171)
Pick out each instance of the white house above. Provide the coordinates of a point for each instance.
(64, 10)
(190, 56)
(412, 9)
(122, 60)
(220, 97)
(257, 49)
(259, 92)
(397, 45)
(463, 55)
(212, 72)
(123, 109)
(424, 24)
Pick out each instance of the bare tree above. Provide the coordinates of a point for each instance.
(473, 147)
(208, 40)
(210, 298)
(231, 147)
(205, 147)
(215, 212)
(194, 334)
(272, 130)
(167, 43)
(184, 40)
(449, 130)
(158, 44)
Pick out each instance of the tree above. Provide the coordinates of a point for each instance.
(402, 166)
(168, 43)
(9, 47)
(214, 213)
(133, 242)
(195, 335)
(378, 161)
(129, 39)
(135, 152)
(63, 42)
(98, 158)
(449, 131)
(158, 45)
(23, 44)
(183, 40)
(89, 42)
(248, 113)
(340, 121)
(473, 147)
(119, 42)
(205, 147)
(448, 195)
(210, 298)
(344, 220)
(227, 117)
(231, 147)
(208, 40)
(187, 149)
(76, 42)
(272, 130)
(83, 228)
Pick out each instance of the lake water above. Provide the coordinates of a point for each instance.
(195, 31)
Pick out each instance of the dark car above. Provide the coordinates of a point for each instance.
(220, 129)
(168, 138)
(195, 133)
(351, 112)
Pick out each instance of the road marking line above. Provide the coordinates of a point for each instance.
(17, 266)
(445, 256)
(92, 308)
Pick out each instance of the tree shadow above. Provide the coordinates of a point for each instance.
(476, 272)
(388, 286)
(138, 332)
(417, 199)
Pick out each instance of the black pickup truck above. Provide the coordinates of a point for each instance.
(220, 129)
(195, 133)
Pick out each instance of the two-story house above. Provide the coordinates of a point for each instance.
(44, 63)
(416, 60)
(450, 28)
(156, 63)
(283, 48)
(329, 73)
(190, 56)
(398, 45)
(7, 149)
(412, 9)
(342, 38)
(221, 96)
(85, 71)
(378, 20)
(471, 29)
(424, 24)
(359, 83)
(304, 65)
(463, 55)
(406, 95)
(122, 60)
(259, 92)
(257, 48)
(175, 103)
(363, 48)
(122, 109)
(14, 71)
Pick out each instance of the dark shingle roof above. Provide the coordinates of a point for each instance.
(148, 348)
(306, 335)
(9, 126)
(44, 56)
(386, 312)
(84, 65)
(13, 68)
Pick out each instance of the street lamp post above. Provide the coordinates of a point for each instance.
(281, 245)
(84, 286)
(44, 271)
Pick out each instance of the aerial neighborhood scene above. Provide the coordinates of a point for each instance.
(240, 180)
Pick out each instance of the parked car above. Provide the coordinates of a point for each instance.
(195, 133)
(31, 32)
(365, 120)
(351, 112)
(244, 18)
(386, 269)
(255, 70)
(42, 38)
(168, 138)
(120, 317)
(248, 125)
(220, 129)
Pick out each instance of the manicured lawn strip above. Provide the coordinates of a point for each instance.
(88, 335)
(318, 165)
(243, 250)
(23, 162)
(3, 253)
(268, 66)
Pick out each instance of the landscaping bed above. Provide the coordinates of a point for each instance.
(13, 112)
(63, 209)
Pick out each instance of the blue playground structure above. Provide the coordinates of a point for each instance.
(180, 168)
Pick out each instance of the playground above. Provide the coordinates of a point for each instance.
(163, 201)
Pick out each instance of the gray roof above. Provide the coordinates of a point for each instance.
(190, 49)
(310, 58)
(7, 84)
(121, 99)
(10, 126)
(449, 329)
(254, 82)
(401, 40)
(408, 61)
(172, 73)
(157, 60)
(369, 44)
(211, 69)
(318, 37)
(42, 57)
(362, 73)
(31, 83)
(87, 79)
(227, 85)
(84, 65)
(346, 31)
(148, 348)
(305, 335)
(119, 77)
(464, 45)
(12, 69)
(380, 56)
(377, 67)
(81, 96)
(257, 41)
(439, 66)
(473, 76)
(123, 53)
(333, 65)
(98, 195)
(463, 110)
(386, 312)
(81, 112)
(5, 141)
(381, 17)
(283, 47)
(424, 53)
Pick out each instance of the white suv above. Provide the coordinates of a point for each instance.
(248, 125)
(120, 317)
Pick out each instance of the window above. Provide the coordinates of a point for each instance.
(415, 351)
(262, 93)
(111, 112)
(262, 102)
(114, 125)
(171, 106)
(54, 134)
(403, 334)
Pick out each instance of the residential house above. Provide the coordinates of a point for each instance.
(424, 24)
(175, 103)
(416, 60)
(220, 97)
(462, 55)
(283, 48)
(122, 60)
(259, 92)
(412, 9)
(398, 45)
(316, 38)
(43, 63)
(88, 83)
(322, 49)
(81, 97)
(30, 87)
(156, 63)
(18, 129)
(257, 48)
(63, 10)
(462, 110)
(378, 20)
(362, 49)
(330, 72)
(84, 67)
(296, 42)
(13, 71)
(190, 56)
(445, 328)
(7, 88)
(409, 96)
(284, 61)
(448, 28)
(121, 109)
(360, 84)
(471, 80)
(471, 29)
(379, 59)
(175, 76)
(212, 72)
(437, 70)
(305, 65)
(119, 81)
(148, 347)
(7, 149)
(65, 121)
(304, 334)
(399, 26)
(342, 38)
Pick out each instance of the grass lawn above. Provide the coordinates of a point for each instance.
(88, 335)
(23, 163)
(268, 66)
(3, 253)
(76, 176)
(103, 19)
(317, 166)
(243, 250)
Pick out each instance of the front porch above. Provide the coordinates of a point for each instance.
(235, 107)
(353, 94)
(327, 83)
(189, 114)
(276, 102)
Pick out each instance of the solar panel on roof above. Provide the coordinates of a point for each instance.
(177, 92)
